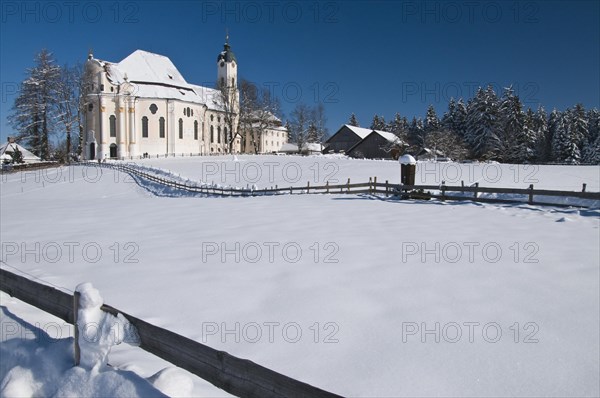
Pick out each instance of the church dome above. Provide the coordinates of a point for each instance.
(226, 55)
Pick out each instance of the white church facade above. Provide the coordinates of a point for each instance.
(142, 106)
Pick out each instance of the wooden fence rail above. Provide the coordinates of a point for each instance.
(237, 376)
(372, 187)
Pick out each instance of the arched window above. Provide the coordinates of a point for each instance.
(112, 122)
(144, 127)
(195, 129)
(161, 127)
(180, 129)
(219, 134)
(222, 81)
(225, 137)
(212, 134)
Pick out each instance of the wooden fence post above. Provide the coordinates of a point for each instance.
(307, 186)
(348, 186)
(386, 188)
(374, 185)
(443, 190)
(475, 191)
(370, 186)
(530, 194)
(584, 185)
(76, 349)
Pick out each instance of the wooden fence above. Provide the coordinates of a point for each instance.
(374, 187)
(237, 376)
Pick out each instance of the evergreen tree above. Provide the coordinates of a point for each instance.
(543, 143)
(399, 126)
(578, 125)
(416, 134)
(482, 124)
(591, 150)
(432, 123)
(512, 121)
(34, 108)
(378, 123)
(353, 121)
(312, 133)
(564, 147)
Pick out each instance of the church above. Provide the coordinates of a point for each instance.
(143, 106)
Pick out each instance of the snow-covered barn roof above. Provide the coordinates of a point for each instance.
(359, 131)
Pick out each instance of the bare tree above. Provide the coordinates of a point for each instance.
(229, 100)
(68, 99)
(300, 120)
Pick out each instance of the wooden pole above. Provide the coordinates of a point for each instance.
(475, 191)
(584, 185)
(348, 186)
(530, 194)
(76, 349)
(374, 184)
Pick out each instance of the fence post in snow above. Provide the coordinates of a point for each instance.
(76, 350)
(583, 189)
(475, 191)
(374, 185)
(348, 186)
(530, 194)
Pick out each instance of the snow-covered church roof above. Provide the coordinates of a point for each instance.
(151, 75)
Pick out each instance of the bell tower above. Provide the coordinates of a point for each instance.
(226, 67)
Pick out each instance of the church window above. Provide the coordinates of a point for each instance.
(102, 87)
(153, 108)
(195, 129)
(112, 88)
(212, 117)
(144, 127)
(90, 107)
(192, 112)
(222, 81)
(219, 134)
(180, 129)
(212, 134)
(161, 127)
(233, 81)
(225, 137)
(219, 119)
(112, 122)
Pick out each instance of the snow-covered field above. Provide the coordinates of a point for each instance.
(354, 294)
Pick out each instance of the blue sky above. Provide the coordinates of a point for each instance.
(363, 57)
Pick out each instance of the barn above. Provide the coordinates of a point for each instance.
(377, 145)
(345, 138)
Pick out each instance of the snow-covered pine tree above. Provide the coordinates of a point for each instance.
(416, 134)
(378, 123)
(353, 121)
(459, 119)
(399, 126)
(512, 122)
(432, 123)
(482, 124)
(542, 143)
(591, 150)
(33, 110)
(564, 147)
(578, 125)
(447, 121)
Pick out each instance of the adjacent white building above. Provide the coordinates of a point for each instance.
(143, 105)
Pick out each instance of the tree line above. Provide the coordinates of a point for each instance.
(492, 127)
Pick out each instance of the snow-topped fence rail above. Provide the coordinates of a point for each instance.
(442, 191)
(237, 376)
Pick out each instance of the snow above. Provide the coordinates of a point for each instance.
(369, 306)
(407, 159)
